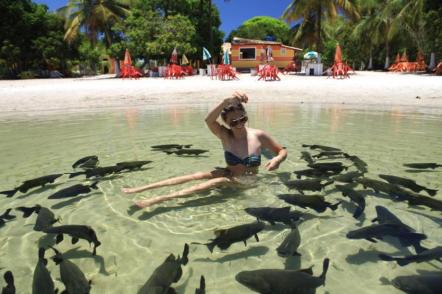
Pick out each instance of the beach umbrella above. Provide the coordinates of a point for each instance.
(311, 55)
(398, 58)
(269, 53)
(174, 57)
(226, 57)
(206, 54)
(184, 60)
(127, 59)
(338, 54)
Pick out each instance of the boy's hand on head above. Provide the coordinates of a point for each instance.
(241, 96)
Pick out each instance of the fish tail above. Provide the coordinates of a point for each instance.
(9, 278)
(27, 211)
(185, 259)
(335, 206)
(358, 212)
(431, 192)
(71, 175)
(9, 193)
(7, 214)
(202, 284)
(386, 257)
(325, 266)
(94, 185)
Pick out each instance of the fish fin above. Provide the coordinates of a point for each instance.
(7, 214)
(71, 175)
(375, 219)
(431, 192)
(296, 253)
(419, 248)
(307, 270)
(371, 240)
(202, 283)
(219, 232)
(325, 266)
(94, 185)
(59, 238)
(256, 238)
(211, 246)
(335, 206)
(245, 242)
(75, 240)
(41, 255)
(402, 261)
(185, 259)
(27, 211)
(9, 278)
(385, 257)
(358, 212)
(9, 193)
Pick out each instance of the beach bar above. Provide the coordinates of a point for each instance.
(249, 54)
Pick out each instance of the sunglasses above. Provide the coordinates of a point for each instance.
(241, 120)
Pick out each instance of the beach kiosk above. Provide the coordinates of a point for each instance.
(248, 54)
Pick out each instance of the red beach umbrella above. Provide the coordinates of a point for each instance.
(127, 58)
(174, 57)
(338, 54)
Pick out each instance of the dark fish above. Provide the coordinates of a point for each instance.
(273, 215)
(171, 146)
(431, 165)
(328, 154)
(186, 151)
(321, 147)
(307, 157)
(278, 281)
(427, 255)
(166, 274)
(45, 217)
(29, 184)
(76, 232)
(384, 216)
(432, 203)
(355, 196)
(42, 282)
(226, 237)
(86, 162)
(132, 165)
(5, 217)
(428, 283)
(358, 163)
(348, 177)
(71, 275)
(73, 191)
(407, 183)
(10, 287)
(315, 202)
(380, 231)
(378, 186)
(312, 173)
(98, 171)
(290, 244)
(335, 167)
(202, 288)
(307, 185)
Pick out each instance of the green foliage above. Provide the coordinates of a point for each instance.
(260, 27)
(89, 57)
(27, 74)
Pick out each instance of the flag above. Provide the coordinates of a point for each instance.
(184, 60)
(206, 54)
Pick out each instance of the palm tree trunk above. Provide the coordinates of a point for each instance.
(432, 61)
(117, 68)
(387, 55)
(318, 22)
(370, 61)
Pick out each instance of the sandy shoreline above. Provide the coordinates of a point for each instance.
(373, 90)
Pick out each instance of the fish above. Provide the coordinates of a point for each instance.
(307, 157)
(307, 185)
(407, 183)
(171, 146)
(427, 165)
(6, 216)
(132, 165)
(202, 288)
(73, 191)
(290, 245)
(71, 275)
(432, 203)
(355, 196)
(328, 154)
(42, 282)
(358, 163)
(98, 171)
(348, 177)
(428, 283)
(378, 186)
(379, 231)
(315, 202)
(312, 173)
(86, 162)
(186, 151)
(29, 184)
(226, 237)
(76, 232)
(166, 274)
(335, 167)
(384, 216)
(45, 217)
(321, 147)
(278, 281)
(427, 255)
(10, 286)
(274, 215)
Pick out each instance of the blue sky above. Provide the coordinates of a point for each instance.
(233, 12)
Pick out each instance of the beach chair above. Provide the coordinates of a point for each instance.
(226, 72)
(438, 69)
(291, 67)
(269, 73)
(340, 70)
(174, 71)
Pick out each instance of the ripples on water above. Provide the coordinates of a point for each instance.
(134, 241)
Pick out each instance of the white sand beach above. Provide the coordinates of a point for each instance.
(364, 89)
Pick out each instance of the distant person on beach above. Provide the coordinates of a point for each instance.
(242, 151)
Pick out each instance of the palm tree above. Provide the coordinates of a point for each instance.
(319, 10)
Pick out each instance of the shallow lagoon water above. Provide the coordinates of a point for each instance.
(135, 242)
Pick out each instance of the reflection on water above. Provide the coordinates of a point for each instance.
(135, 241)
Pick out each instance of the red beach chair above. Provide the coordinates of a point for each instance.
(174, 71)
(128, 71)
(269, 73)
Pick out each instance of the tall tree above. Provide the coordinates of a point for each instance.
(320, 10)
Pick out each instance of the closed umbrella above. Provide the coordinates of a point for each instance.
(127, 59)
(184, 60)
(226, 57)
(206, 54)
(174, 57)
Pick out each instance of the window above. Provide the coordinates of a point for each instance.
(247, 53)
(283, 51)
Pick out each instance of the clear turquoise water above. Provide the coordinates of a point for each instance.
(134, 242)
